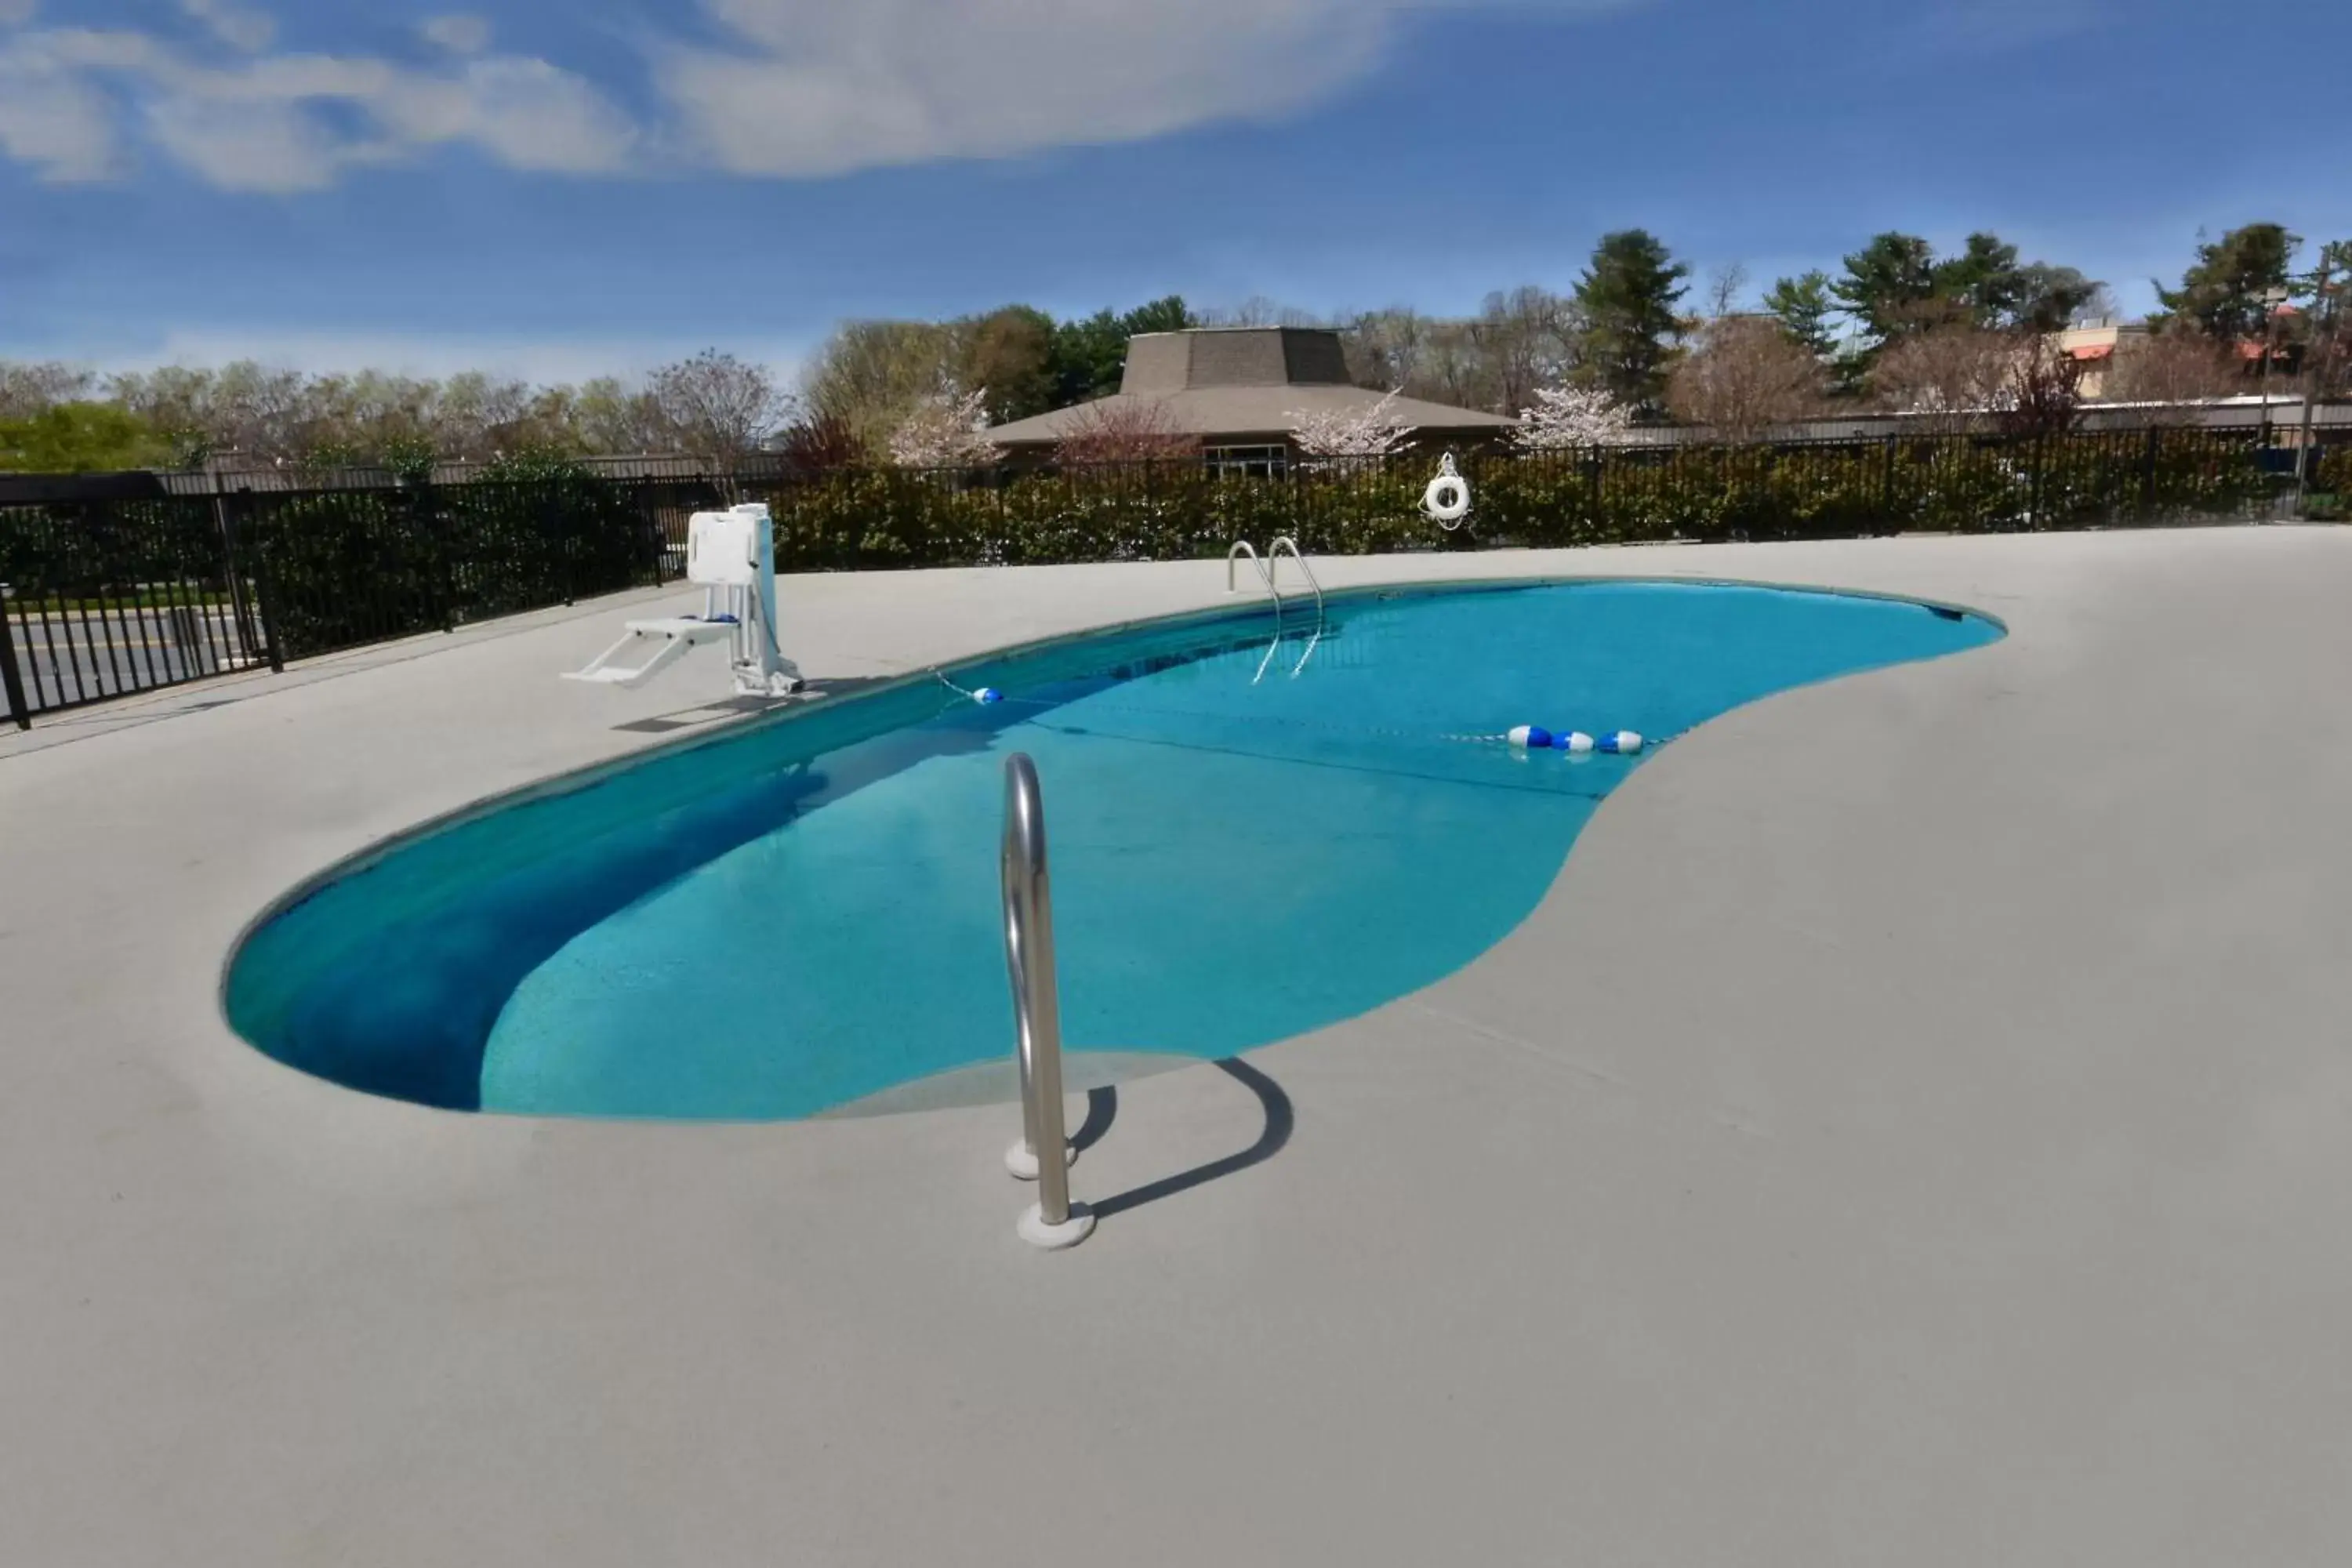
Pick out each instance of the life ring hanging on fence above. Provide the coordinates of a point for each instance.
(1446, 501)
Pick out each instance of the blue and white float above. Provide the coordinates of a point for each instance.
(1536, 737)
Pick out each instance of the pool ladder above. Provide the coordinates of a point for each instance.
(1268, 572)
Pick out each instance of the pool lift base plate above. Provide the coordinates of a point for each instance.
(1022, 1160)
(1032, 1228)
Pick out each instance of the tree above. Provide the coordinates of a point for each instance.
(871, 374)
(1744, 375)
(1374, 431)
(720, 407)
(612, 418)
(1257, 310)
(1564, 419)
(1090, 355)
(477, 417)
(28, 389)
(1011, 353)
(2224, 291)
(1628, 295)
(1165, 314)
(2042, 394)
(1803, 307)
(2171, 371)
(1725, 285)
(246, 412)
(2049, 299)
(1524, 339)
(1455, 367)
(1384, 348)
(1981, 286)
(947, 430)
(1953, 378)
(180, 405)
(2328, 286)
(1888, 289)
(821, 443)
(1124, 430)
(1894, 287)
(1521, 338)
(79, 437)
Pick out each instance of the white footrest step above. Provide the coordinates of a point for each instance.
(685, 627)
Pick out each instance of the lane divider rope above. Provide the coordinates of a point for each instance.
(1523, 737)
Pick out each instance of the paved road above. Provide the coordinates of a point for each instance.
(68, 658)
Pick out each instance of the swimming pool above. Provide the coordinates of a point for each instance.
(1255, 831)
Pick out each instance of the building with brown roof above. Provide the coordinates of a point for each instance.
(1239, 391)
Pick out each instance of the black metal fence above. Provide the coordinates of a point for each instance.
(111, 588)
(878, 518)
(114, 595)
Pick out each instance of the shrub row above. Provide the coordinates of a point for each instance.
(866, 520)
(333, 568)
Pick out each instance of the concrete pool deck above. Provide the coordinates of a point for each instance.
(1916, 1127)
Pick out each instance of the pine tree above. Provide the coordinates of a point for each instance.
(1889, 288)
(2223, 293)
(1803, 307)
(1627, 297)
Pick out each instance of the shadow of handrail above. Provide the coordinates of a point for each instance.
(1102, 1110)
(1279, 1122)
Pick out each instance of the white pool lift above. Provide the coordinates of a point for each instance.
(732, 555)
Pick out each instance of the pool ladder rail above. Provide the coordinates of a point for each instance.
(1053, 1221)
(1268, 571)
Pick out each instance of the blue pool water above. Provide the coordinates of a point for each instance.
(805, 911)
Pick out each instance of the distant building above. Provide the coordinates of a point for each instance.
(2099, 347)
(2096, 350)
(1236, 390)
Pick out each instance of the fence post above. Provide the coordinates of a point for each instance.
(1887, 487)
(11, 678)
(649, 530)
(272, 640)
(440, 573)
(2034, 518)
(2147, 474)
(240, 613)
(560, 523)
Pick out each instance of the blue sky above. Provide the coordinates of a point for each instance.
(553, 189)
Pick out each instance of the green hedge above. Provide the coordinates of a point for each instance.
(333, 568)
(866, 520)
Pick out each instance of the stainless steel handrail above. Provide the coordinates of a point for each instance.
(1037, 1006)
(1242, 547)
(1274, 560)
(1266, 575)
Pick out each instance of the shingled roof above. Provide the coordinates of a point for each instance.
(1244, 385)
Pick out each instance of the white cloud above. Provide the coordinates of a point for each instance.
(821, 88)
(1991, 27)
(53, 119)
(803, 88)
(460, 35)
(233, 24)
(16, 13)
(256, 124)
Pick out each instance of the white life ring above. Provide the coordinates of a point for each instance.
(1446, 501)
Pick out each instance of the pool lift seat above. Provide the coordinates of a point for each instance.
(732, 555)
